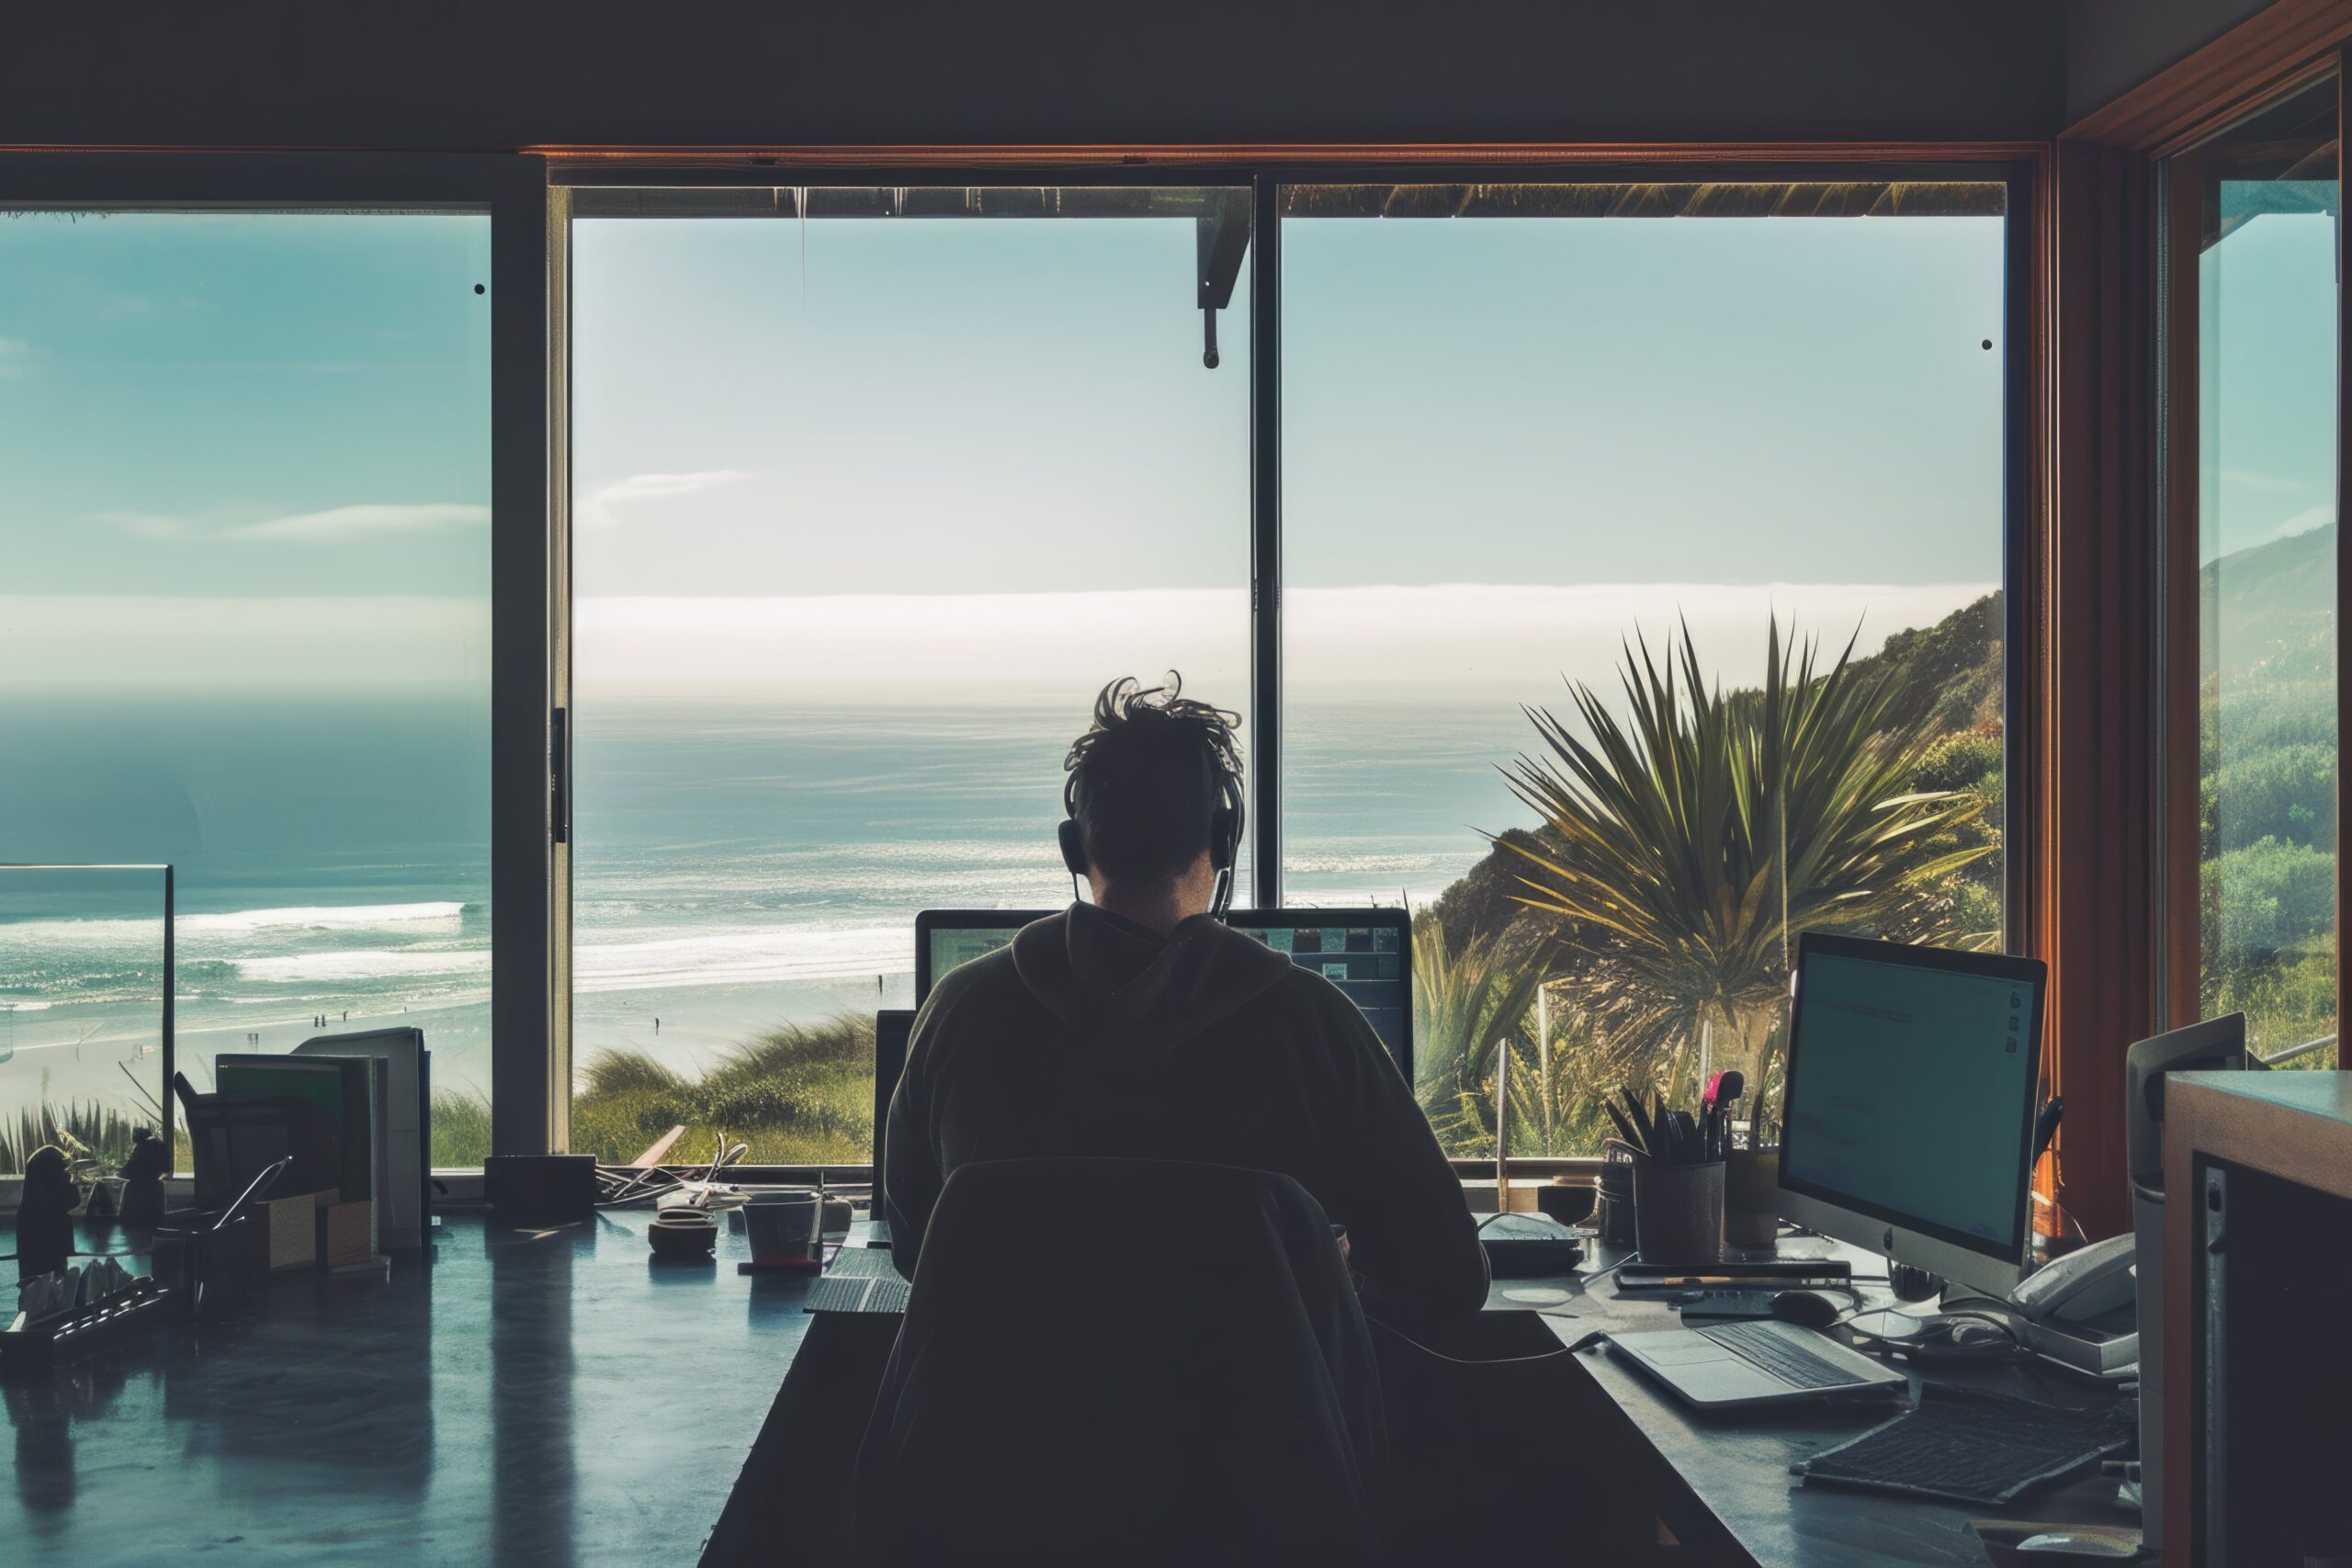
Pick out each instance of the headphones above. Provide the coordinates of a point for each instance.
(1225, 819)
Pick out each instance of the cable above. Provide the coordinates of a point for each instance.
(1589, 1340)
(1935, 1344)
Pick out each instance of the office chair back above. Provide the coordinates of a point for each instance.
(1133, 1361)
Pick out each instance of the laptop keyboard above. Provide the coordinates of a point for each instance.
(861, 1279)
(1976, 1447)
(1760, 1344)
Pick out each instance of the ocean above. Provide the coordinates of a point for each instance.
(740, 861)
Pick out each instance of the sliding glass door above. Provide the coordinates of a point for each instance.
(871, 490)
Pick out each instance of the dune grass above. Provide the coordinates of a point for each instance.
(460, 1129)
(95, 1138)
(799, 1094)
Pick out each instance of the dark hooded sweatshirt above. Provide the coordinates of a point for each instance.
(1093, 1037)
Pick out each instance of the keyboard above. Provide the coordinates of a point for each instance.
(1974, 1447)
(862, 1278)
(1760, 1345)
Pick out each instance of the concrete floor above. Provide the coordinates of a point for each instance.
(513, 1397)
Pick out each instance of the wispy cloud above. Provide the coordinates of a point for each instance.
(13, 352)
(1512, 641)
(146, 525)
(2304, 522)
(2246, 479)
(350, 521)
(610, 504)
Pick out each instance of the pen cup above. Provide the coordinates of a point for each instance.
(1752, 1197)
(1679, 1212)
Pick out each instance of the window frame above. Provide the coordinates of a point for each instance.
(2178, 173)
(2022, 170)
(510, 189)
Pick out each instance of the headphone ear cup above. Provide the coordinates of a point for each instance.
(1225, 837)
(1073, 843)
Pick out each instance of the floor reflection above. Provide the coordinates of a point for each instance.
(534, 1468)
(43, 1414)
(351, 1388)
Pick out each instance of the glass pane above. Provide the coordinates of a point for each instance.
(245, 628)
(101, 927)
(1541, 440)
(2264, 198)
(867, 503)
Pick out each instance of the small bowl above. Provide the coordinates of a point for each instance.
(683, 1234)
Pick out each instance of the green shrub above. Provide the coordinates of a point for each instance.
(2286, 794)
(1960, 761)
(2268, 898)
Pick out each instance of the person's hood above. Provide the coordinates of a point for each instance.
(1135, 993)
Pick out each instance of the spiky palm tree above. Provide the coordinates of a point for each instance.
(1704, 830)
(1464, 1004)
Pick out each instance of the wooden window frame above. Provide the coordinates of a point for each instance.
(2121, 906)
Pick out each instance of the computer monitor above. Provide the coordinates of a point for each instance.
(1368, 953)
(947, 938)
(1911, 1096)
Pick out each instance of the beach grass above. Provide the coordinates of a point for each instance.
(95, 1138)
(798, 1094)
(460, 1129)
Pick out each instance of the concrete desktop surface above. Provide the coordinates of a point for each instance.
(524, 1397)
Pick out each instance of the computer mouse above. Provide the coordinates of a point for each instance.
(2080, 1545)
(1806, 1309)
(1967, 1334)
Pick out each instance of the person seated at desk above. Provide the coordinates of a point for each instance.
(1141, 1026)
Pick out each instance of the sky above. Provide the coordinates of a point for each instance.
(1021, 404)
(2267, 304)
(243, 450)
(255, 448)
(1507, 445)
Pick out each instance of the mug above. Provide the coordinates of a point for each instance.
(784, 1228)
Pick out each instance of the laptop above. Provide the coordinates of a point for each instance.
(1755, 1361)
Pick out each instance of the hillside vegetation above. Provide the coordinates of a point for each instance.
(2267, 736)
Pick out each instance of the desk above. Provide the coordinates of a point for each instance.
(1725, 1482)
(1738, 1501)
(511, 1397)
(531, 1397)
(2258, 1176)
